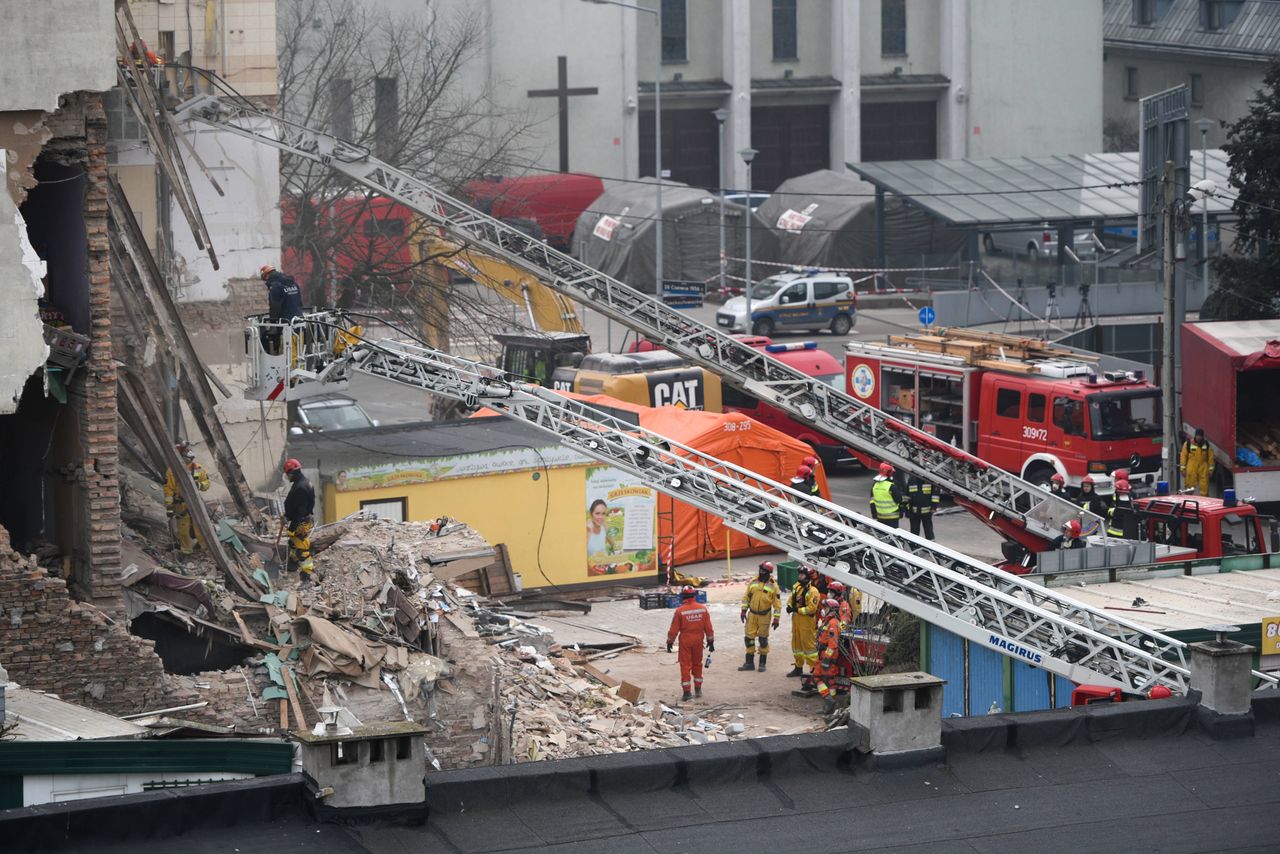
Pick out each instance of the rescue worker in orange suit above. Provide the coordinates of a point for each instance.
(922, 500)
(299, 509)
(1090, 500)
(845, 611)
(803, 608)
(828, 666)
(691, 623)
(761, 609)
(1070, 536)
(1122, 518)
(886, 498)
(176, 508)
(1196, 463)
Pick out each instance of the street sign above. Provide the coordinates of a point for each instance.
(928, 316)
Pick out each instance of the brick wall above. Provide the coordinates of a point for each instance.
(50, 642)
(98, 474)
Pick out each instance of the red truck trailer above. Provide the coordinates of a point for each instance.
(1231, 390)
(553, 202)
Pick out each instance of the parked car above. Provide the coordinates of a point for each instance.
(327, 413)
(1038, 244)
(812, 300)
(757, 199)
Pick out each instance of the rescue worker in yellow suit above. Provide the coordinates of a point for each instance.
(803, 608)
(761, 609)
(175, 508)
(1196, 463)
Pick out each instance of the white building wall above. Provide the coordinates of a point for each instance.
(244, 225)
(1036, 77)
(57, 788)
(53, 47)
(923, 40)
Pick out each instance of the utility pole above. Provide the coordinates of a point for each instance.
(1168, 205)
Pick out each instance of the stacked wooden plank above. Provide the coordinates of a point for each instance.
(992, 350)
(1262, 439)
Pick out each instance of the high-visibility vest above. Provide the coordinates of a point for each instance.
(883, 501)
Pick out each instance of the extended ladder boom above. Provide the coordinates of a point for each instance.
(1017, 618)
(1018, 509)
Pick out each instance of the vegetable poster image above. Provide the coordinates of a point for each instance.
(620, 520)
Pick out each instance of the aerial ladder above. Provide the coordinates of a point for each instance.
(1019, 510)
(1004, 612)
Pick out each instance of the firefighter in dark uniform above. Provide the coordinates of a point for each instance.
(299, 507)
(1122, 519)
(922, 500)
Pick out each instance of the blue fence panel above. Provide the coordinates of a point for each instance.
(1030, 688)
(986, 679)
(1062, 688)
(946, 661)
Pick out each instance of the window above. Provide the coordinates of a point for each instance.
(394, 509)
(893, 700)
(389, 227)
(1218, 14)
(341, 108)
(794, 294)
(1239, 535)
(1196, 83)
(730, 396)
(167, 50)
(784, 29)
(675, 31)
(1035, 408)
(122, 124)
(1068, 416)
(1144, 12)
(386, 117)
(404, 747)
(1009, 403)
(893, 27)
(377, 750)
(1130, 82)
(1124, 415)
(828, 290)
(344, 753)
(924, 698)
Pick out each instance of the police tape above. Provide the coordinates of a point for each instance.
(800, 268)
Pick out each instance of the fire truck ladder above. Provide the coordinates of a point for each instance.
(1016, 508)
(1017, 618)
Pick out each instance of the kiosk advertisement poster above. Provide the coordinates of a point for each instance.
(620, 524)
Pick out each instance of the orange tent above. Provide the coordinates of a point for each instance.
(728, 436)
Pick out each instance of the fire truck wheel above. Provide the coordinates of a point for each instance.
(1039, 475)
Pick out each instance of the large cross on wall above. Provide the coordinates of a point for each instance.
(561, 93)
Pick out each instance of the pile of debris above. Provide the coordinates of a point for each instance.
(387, 633)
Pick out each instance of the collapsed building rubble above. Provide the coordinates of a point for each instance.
(383, 636)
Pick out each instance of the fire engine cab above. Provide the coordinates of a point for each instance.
(1029, 407)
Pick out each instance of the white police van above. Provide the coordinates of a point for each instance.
(811, 300)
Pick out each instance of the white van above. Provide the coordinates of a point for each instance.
(812, 301)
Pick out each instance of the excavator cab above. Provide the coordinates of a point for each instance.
(536, 357)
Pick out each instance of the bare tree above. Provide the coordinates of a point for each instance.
(399, 86)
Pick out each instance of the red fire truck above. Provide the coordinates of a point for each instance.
(1021, 404)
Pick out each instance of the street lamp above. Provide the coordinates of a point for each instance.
(1204, 125)
(657, 124)
(721, 115)
(747, 155)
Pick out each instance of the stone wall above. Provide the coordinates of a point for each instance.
(50, 642)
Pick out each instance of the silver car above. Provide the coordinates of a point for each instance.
(1038, 244)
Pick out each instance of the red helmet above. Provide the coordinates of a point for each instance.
(1058, 479)
(291, 465)
(266, 270)
(1088, 479)
(1123, 486)
(886, 470)
(831, 605)
(1120, 474)
(803, 471)
(184, 449)
(811, 462)
(1159, 692)
(836, 589)
(687, 592)
(1071, 527)
(767, 566)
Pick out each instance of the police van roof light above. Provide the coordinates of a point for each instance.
(794, 345)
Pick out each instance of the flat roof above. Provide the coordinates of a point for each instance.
(1246, 337)
(43, 717)
(1014, 190)
(414, 440)
(1182, 602)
